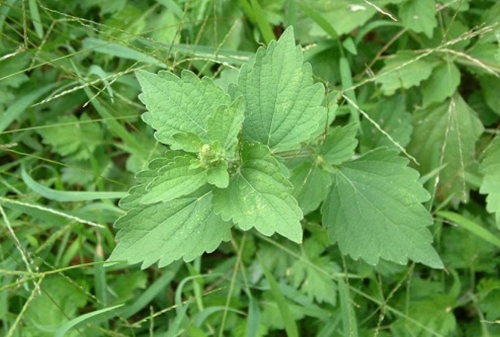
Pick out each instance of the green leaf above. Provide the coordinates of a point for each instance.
(446, 134)
(225, 124)
(340, 144)
(441, 84)
(404, 70)
(283, 105)
(260, 196)
(310, 184)
(374, 211)
(187, 141)
(312, 276)
(75, 137)
(218, 175)
(490, 168)
(66, 327)
(58, 301)
(489, 88)
(430, 317)
(179, 104)
(419, 16)
(391, 116)
(174, 180)
(167, 231)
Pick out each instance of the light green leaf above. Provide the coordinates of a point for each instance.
(260, 196)
(310, 184)
(66, 196)
(179, 104)
(446, 134)
(187, 141)
(58, 301)
(490, 167)
(174, 180)
(340, 143)
(374, 211)
(419, 16)
(74, 137)
(430, 317)
(404, 70)
(225, 124)
(441, 84)
(167, 231)
(218, 175)
(66, 327)
(391, 116)
(312, 278)
(283, 105)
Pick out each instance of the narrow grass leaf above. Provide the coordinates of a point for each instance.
(284, 309)
(35, 18)
(348, 315)
(21, 104)
(118, 50)
(262, 22)
(66, 327)
(320, 21)
(471, 226)
(67, 196)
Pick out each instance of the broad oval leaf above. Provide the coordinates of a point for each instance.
(167, 231)
(179, 104)
(259, 196)
(374, 211)
(283, 105)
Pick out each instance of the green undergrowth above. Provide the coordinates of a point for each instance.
(249, 168)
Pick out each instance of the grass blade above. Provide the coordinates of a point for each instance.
(67, 196)
(63, 329)
(286, 314)
(471, 226)
(264, 26)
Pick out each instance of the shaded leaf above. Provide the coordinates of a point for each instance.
(442, 83)
(403, 70)
(374, 211)
(340, 143)
(490, 168)
(419, 16)
(391, 116)
(446, 135)
(310, 184)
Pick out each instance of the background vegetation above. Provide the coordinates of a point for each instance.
(71, 139)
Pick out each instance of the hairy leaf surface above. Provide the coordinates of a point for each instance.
(283, 105)
(167, 231)
(490, 167)
(179, 104)
(260, 196)
(374, 211)
(174, 180)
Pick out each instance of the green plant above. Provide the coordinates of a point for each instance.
(386, 88)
